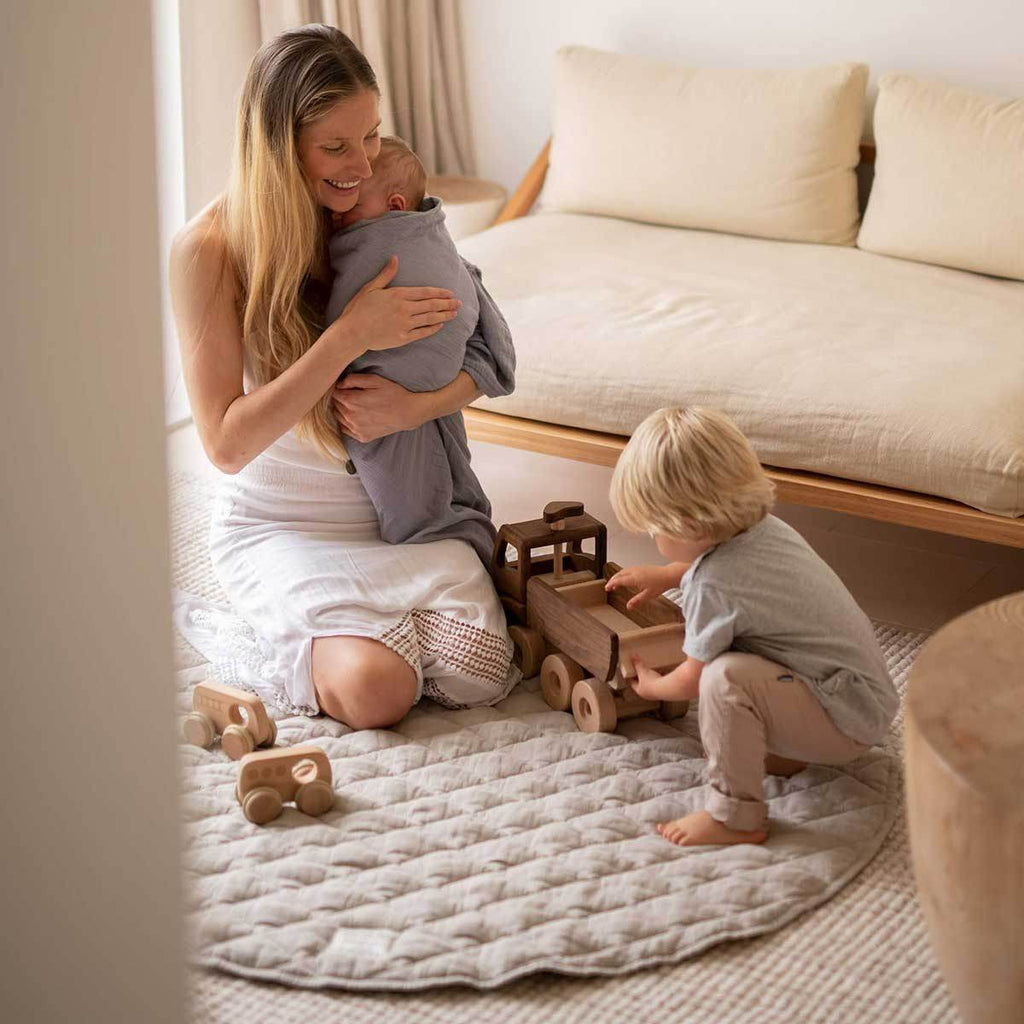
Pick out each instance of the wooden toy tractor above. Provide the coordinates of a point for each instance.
(566, 625)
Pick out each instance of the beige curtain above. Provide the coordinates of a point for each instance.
(415, 49)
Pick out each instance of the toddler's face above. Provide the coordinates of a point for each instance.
(676, 549)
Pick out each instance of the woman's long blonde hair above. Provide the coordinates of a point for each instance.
(272, 221)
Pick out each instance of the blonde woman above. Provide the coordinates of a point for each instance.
(786, 666)
(349, 625)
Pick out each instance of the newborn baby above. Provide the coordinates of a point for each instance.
(419, 480)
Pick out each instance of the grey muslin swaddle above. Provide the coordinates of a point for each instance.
(420, 481)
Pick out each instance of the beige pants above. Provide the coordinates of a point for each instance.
(748, 707)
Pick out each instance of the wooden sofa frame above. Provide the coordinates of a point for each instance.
(870, 501)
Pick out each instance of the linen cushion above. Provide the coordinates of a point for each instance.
(949, 178)
(765, 153)
(830, 359)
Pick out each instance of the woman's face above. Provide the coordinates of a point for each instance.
(337, 150)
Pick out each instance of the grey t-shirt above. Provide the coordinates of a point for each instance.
(766, 592)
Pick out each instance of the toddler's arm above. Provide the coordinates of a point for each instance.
(682, 683)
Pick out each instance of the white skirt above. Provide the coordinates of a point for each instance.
(296, 545)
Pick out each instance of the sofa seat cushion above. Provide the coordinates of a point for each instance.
(832, 360)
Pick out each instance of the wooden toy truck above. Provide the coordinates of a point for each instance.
(239, 717)
(268, 778)
(581, 637)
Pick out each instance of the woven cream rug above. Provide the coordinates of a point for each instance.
(862, 956)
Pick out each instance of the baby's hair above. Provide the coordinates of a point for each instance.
(401, 171)
(689, 473)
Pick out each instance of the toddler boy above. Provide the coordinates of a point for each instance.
(785, 664)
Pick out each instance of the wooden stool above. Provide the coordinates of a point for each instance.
(965, 800)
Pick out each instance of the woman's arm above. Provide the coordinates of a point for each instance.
(235, 427)
(451, 398)
(368, 406)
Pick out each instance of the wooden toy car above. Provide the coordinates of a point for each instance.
(581, 637)
(239, 717)
(268, 778)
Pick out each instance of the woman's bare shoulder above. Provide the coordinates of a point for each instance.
(200, 247)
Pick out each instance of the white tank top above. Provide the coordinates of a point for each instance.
(291, 450)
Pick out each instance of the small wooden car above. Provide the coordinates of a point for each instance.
(239, 717)
(268, 778)
(566, 625)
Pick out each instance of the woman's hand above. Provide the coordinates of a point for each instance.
(368, 406)
(382, 317)
(650, 580)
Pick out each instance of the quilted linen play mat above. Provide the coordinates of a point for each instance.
(478, 846)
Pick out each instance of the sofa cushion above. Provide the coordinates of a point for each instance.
(949, 178)
(764, 153)
(831, 359)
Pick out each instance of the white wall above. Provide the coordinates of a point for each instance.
(90, 885)
(218, 39)
(510, 48)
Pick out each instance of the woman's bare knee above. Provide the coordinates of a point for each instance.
(362, 683)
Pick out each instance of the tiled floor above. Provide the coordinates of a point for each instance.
(910, 578)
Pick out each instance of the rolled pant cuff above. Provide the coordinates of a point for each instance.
(740, 815)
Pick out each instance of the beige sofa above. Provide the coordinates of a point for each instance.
(867, 381)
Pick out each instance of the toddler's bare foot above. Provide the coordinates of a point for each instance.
(700, 829)
(775, 765)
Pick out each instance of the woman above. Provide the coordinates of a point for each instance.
(356, 628)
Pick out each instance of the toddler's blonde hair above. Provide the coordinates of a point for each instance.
(689, 473)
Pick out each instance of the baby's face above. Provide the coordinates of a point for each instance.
(374, 201)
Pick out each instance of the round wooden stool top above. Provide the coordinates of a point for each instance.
(964, 734)
(966, 697)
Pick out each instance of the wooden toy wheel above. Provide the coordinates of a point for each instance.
(236, 741)
(593, 706)
(271, 735)
(198, 729)
(529, 649)
(670, 709)
(558, 675)
(314, 798)
(262, 804)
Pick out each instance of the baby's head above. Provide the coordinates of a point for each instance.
(690, 478)
(398, 182)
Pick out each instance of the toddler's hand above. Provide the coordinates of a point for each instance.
(650, 580)
(646, 680)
